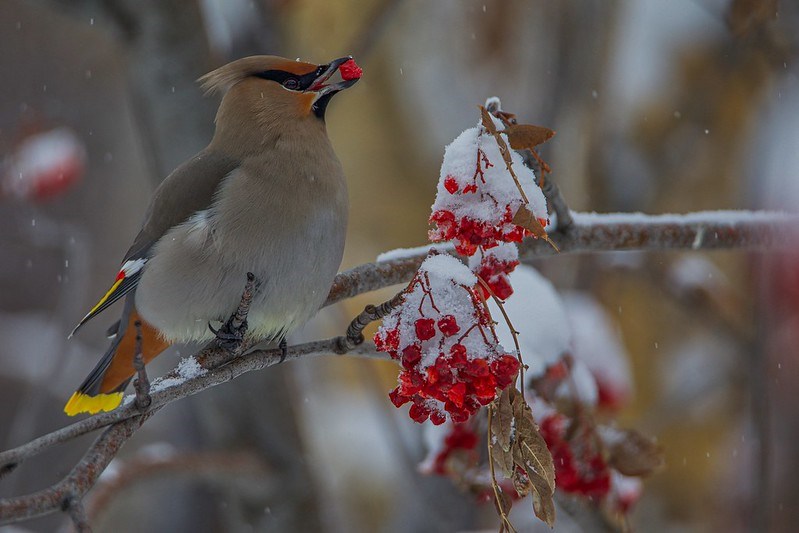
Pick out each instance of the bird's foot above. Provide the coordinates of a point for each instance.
(141, 384)
(284, 349)
(230, 335)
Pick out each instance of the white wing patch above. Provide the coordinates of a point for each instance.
(132, 266)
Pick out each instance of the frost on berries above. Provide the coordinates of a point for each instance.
(477, 196)
(493, 266)
(452, 362)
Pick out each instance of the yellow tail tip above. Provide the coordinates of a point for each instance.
(83, 403)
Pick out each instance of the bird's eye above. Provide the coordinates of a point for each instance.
(291, 83)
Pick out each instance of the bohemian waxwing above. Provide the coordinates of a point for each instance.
(267, 196)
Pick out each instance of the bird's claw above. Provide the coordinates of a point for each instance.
(284, 349)
(228, 336)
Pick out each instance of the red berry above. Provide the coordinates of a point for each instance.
(425, 329)
(397, 399)
(448, 325)
(457, 394)
(477, 368)
(432, 375)
(387, 340)
(457, 415)
(505, 369)
(501, 287)
(411, 355)
(458, 355)
(437, 418)
(451, 184)
(485, 388)
(410, 383)
(419, 413)
(350, 70)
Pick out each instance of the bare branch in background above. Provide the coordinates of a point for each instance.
(214, 467)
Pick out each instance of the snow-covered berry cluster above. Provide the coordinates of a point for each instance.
(43, 165)
(477, 201)
(443, 335)
(477, 196)
(493, 266)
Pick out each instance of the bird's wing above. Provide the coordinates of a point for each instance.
(187, 190)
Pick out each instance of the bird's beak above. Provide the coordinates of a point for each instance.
(330, 72)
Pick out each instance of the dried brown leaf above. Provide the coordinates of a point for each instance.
(544, 509)
(526, 219)
(503, 507)
(539, 464)
(632, 453)
(533, 455)
(504, 419)
(527, 136)
(501, 429)
(489, 125)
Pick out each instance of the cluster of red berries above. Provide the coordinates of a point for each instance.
(494, 267)
(455, 382)
(580, 467)
(450, 364)
(477, 198)
(469, 233)
(461, 438)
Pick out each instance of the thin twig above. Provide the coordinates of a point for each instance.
(85, 474)
(370, 314)
(494, 485)
(512, 329)
(80, 479)
(205, 466)
(504, 149)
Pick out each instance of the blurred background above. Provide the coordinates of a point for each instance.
(658, 106)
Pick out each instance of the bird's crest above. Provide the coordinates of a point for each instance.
(219, 81)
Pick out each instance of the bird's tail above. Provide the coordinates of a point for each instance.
(102, 389)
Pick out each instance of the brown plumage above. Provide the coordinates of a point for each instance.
(267, 196)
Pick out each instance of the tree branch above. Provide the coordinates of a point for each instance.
(590, 233)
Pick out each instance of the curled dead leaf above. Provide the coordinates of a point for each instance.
(527, 136)
(501, 430)
(544, 509)
(526, 219)
(632, 453)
